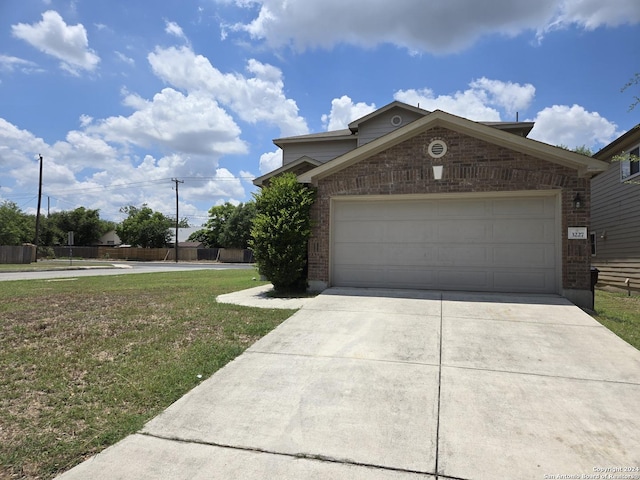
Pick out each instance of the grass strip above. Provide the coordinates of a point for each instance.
(620, 313)
(83, 364)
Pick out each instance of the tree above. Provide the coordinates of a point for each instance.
(281, 230)
(635, 80)
(236, 232)
(16, 227)
(145, 228)
(582, 150)
(85, 224)
(229, 226)
(218, 217)
(201, 236)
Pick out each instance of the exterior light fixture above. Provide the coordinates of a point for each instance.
(577, 201)
(437, 172)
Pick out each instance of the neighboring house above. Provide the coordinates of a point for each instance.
(408, 198)
(109, 239)
(190, 245)
(615, 213)
(183, 234)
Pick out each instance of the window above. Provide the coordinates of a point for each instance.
(631, 167)
(592, 238)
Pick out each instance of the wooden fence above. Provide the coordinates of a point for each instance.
(620, 274)
(17, 254)
(185, 254)
(78, 252)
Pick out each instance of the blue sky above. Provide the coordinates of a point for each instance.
(120, 97)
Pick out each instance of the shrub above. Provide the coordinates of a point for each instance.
(280, 232)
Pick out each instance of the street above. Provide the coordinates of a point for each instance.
(123, 268)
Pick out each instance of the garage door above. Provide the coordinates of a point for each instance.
(501, 244)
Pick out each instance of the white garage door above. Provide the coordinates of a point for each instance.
(501, 244)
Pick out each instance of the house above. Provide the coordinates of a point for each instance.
(615, 213)
(407, 198)
(109, 239)
(183, 234)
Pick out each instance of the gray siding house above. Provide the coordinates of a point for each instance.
(615, 214)
(407, 198)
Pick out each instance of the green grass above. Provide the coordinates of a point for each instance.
(85, 363)
(620, 314)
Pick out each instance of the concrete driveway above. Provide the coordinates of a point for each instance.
(384, 384)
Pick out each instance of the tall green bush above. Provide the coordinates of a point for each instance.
(281, 230)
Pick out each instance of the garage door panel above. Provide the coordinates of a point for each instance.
(352, 211)
(464, 279)
(530, 230)
(388, 232)
(490, 244)
(523, 206)
(350, 255)
(463, 208)
(529, 282)
(464, 256)
(463, 231)
(392, 277)
(531, 257)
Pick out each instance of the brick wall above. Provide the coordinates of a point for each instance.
(470, 165)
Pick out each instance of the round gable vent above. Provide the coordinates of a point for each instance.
(396, 120)
(437, 149)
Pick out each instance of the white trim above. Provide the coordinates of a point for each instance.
(448, 195)
(433, 144)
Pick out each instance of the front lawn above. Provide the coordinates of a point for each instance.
(620, 314)
(85, 362)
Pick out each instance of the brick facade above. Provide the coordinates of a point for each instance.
(470, 165)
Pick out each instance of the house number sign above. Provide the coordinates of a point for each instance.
(577, 233)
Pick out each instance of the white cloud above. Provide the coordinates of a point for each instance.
(54, 37)
(512, 97)
(573, 127)
(257, 98)
(270, 161)
(87, 170)
(192, 124)
(247, 176)
(81, 150)
(11, 64)
(437, 26)
(468, 104)
(85, 120)
(17, 143)
(344, 111)
(591, 14)
(172, 28)
(483, 101)
(124, 59)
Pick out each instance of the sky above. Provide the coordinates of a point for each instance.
(120, 96)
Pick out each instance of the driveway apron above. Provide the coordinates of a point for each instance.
(389, 384)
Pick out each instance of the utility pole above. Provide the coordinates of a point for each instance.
(37, 239)
(177, 216)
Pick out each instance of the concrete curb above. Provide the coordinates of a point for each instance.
(258, 297)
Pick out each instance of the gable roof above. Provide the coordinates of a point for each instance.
(299, 166)
(518, 128)
(586, 166)
(332, 135)
(620, 144)
(353, 126)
